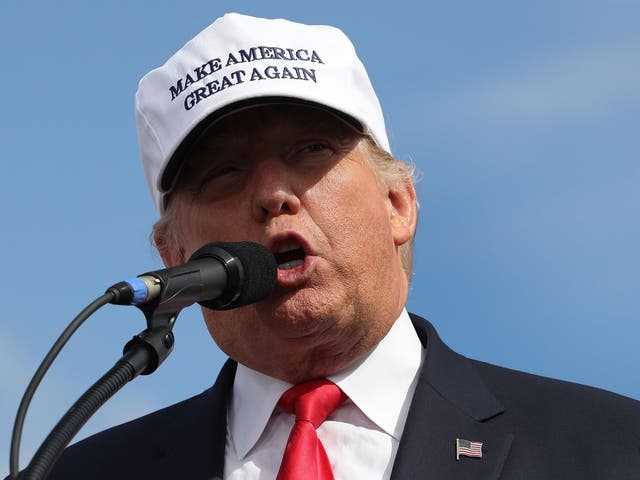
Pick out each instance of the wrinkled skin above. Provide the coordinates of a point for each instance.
(287, 177)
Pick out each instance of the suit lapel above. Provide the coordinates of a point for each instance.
(450, 402)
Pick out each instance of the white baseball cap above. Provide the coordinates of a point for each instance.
(241, 61)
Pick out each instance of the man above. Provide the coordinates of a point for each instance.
(269, 131)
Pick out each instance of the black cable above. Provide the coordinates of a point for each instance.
(42, 370)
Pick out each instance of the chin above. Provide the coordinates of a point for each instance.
(304, 313)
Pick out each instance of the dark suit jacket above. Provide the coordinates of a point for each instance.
(531, 427)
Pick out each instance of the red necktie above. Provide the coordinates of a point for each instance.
(304, 456)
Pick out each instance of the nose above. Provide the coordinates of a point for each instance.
(273, 193)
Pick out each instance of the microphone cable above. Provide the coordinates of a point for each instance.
(16, 435)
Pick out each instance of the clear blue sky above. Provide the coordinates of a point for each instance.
(522, 117)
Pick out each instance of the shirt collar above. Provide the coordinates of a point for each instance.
(382, 384)
(390, 370)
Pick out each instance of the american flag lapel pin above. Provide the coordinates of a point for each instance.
(468, 448)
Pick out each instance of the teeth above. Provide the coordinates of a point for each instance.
(291, 264)
(288, 246)
(289, 254)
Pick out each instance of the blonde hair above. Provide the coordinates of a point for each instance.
(389, 171)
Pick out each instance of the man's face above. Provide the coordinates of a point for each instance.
(295, 180)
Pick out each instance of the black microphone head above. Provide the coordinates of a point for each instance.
(252, 272)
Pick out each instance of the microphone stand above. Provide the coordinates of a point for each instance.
(143, 354)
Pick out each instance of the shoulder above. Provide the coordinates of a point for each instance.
(554, 424)
(561, 426)
(131, 446)
(568, 404)
(521, 390)
(182, 440)
(156, 425)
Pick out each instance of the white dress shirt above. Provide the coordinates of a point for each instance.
(361, 437)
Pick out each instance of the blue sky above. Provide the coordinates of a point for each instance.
(522, 118)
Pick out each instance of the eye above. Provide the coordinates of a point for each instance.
(219, 173)
(218, 178)
(315, 147)
(313, 151)
(222, 171)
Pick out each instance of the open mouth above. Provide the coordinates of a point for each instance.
(289, 255)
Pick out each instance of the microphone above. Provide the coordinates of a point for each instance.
(219, 276)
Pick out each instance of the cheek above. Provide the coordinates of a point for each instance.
(353, 208)
(202, 224)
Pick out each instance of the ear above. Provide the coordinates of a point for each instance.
(403, 211)
(171, 253)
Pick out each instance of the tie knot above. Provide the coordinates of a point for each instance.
(312, 401)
